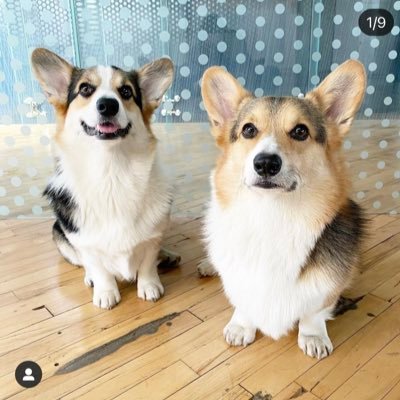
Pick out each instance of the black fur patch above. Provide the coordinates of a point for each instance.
(72, 89)
(63, 206)
(338, 247)
(134, 79)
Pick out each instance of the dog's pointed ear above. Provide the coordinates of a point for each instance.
(154, 79)
(340, 94)
(222, 95)
(53, 74)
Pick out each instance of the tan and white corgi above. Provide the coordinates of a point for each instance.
(281, 229)
(110, 200)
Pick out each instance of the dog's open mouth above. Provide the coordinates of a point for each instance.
(106, 130)
(266, 184)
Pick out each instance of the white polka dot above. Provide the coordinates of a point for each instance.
(4, 210)
(221, 22)
(240, 34)
(315, 79)
(296, 91)
(317, 32)
(12, 161)
(392, 54)
(3, 191)
(364, 154)
(383, 144)
(374, 43)
(354, 55)
(240, 58)
(368, 112)
(277, 81)
(393, 212)
(9, 141)
(371, 89)
(358, 6)
(360, 195)
(362, 175)
(297, 68)
(258, 92)
(387, 101)
(16, 181)
(164, 36)
(202, 35)
(334, 66)
(202, 10)
(184, 47)
(385, 122)
(186, 116)
(316, 56)
(279, 33)
(376, 204)
(366, 133)
(184, 71)
(31, 171)
(260, 21)
(379, 185)
(183, 23)
(398, 154)
(241, 80)
(3, 98)
(395, 30)
(381, 164)
(221, 47)
(19, 201)
(146, 48)
(260, 45)
(397, 174)
(203, 59)
(299, 20)
(163, 12)
(395, 194)
(347, 144)
(279, 8)
(185, 94)
(259, 69)
(241, 9)
(278, 57)
(37, 210)
(144, 24)
(319, 7)
(336, 44)
(34, 191)
(297, 44)
(356, 31)
(337, 19)
(396, 5)
(389, 78)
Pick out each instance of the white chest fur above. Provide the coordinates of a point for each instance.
(259, 245)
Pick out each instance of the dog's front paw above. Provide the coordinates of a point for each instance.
(150, 290)
(205, 268)
(315, 346)
(106, 298)
(237, 335)
(88, 280)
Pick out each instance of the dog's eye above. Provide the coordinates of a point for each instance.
(249, 131)
(125, 92)
(86, 89)
(299, 132)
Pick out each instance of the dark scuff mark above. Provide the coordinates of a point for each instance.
(261, 396)
(108, 348)
(298, 393)
(345, 304)
(38, 308)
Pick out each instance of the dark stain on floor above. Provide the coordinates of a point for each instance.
(108, 348)
(261, 396)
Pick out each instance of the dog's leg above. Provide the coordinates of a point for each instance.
(205, 268)
(64, 246)
(167, 259)
(239, 331)
(313, 337)
(149, 284)
(105, 288)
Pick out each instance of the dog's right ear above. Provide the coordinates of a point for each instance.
(222, 95)
(53, 74)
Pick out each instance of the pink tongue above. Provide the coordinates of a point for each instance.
(107, 128)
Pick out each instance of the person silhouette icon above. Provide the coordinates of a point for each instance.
(28, 376)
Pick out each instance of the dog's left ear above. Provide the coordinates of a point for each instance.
(53, 74)
(154, 80)
(340, 94)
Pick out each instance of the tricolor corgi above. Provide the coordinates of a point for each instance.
(110, 200)
(281, 229)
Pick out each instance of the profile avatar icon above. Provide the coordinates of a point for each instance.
(28, 376)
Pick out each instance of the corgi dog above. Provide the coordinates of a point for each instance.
(281, 229)
(110, 200)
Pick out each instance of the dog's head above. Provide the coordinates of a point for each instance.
(105, 103)
(281, 144)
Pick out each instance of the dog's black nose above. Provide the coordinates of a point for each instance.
(267, 164)
(107, 107)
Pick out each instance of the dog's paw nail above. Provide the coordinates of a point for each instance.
(106, 299)
(236, 335)
(150, 291)
(206, 269)
(315, 346)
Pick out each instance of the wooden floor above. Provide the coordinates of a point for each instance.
(47, 316)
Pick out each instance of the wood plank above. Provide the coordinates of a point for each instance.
(375, 379)
(162, 384)
(295, 391)
(394, 393)
(277, 374)
(389, 290)
(7, 298)
(347, 359)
